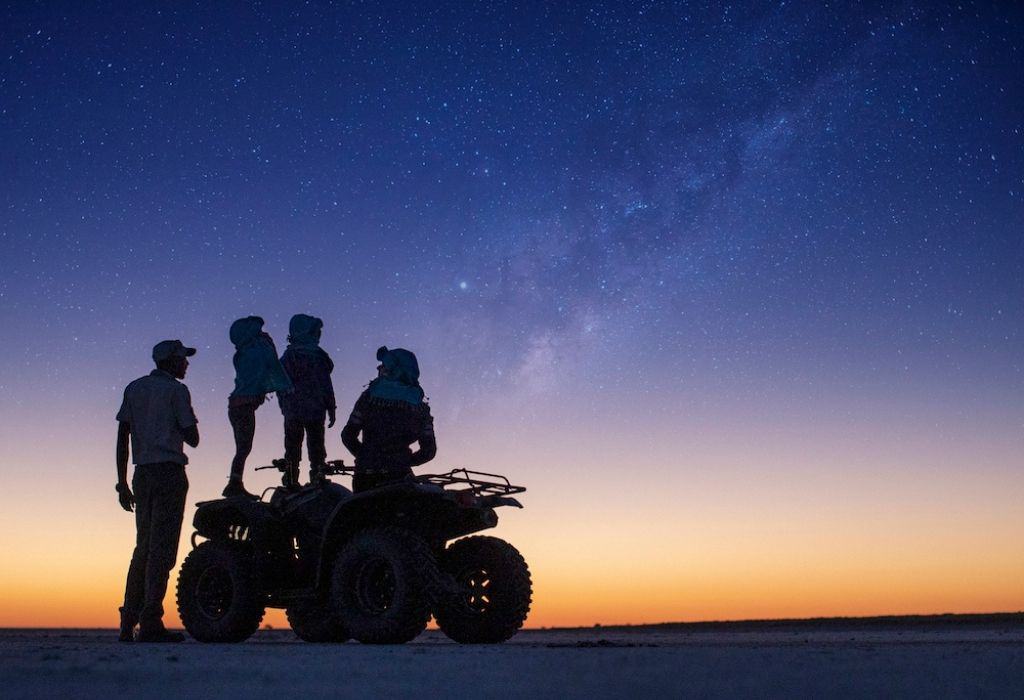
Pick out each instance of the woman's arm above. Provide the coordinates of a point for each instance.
(428, 444)
(350, 433)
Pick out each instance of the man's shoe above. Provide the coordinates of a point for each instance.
(236, 489)
(128, 622)
(159, 636)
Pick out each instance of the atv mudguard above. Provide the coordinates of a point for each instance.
(239, 519)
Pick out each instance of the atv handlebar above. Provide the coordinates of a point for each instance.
(336, 466)
(279, 464)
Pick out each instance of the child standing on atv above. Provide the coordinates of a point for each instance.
(258, 372)
(309, 367)
(391, 415)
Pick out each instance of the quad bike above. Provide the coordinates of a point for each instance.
(371, 566)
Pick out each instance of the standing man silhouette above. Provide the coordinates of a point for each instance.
(157, 416)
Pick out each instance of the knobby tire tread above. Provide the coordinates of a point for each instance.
(498, 623)
(416, 562)
(247, 607)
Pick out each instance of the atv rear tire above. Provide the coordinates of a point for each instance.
(316, 622)
(497, 591)
(378, 586)
(218, 596)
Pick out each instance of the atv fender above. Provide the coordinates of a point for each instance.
(235, 519)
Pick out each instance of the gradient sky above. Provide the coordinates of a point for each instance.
(737, 293)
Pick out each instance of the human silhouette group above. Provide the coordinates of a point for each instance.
(156, 420)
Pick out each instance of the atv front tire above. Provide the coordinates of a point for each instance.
(218, 595)
(497, 591)
(378, 586)
(315, 621)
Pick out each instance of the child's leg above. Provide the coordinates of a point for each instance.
(292, 448)
(243, 424)
(293, 440)
(315, 447)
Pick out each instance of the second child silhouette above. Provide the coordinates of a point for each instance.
(309, 367)
(258, 372)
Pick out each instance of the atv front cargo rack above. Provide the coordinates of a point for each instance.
(477, 483)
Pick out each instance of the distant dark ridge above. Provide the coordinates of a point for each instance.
(950, 620)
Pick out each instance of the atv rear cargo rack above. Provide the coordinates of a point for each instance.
(465, 483)
(477, 483)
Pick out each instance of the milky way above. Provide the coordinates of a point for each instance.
(522, 185)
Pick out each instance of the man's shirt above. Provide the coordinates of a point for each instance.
(159, 409)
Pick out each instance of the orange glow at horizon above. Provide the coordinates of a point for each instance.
(620, 568)
(730, 530)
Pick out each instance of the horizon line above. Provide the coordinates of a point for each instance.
(947, 618)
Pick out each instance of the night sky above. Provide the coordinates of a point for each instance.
(737, 292)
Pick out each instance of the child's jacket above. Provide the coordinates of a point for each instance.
(257, 369)
(309, 367)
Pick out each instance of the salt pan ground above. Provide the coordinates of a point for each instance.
(811, 661)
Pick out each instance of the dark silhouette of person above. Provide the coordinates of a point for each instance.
(309, 367)
(258, 372)
(391, 414)
(157, 417)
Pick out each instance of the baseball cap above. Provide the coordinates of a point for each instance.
(171, 348)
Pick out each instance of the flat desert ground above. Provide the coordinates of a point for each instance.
(826, 660)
